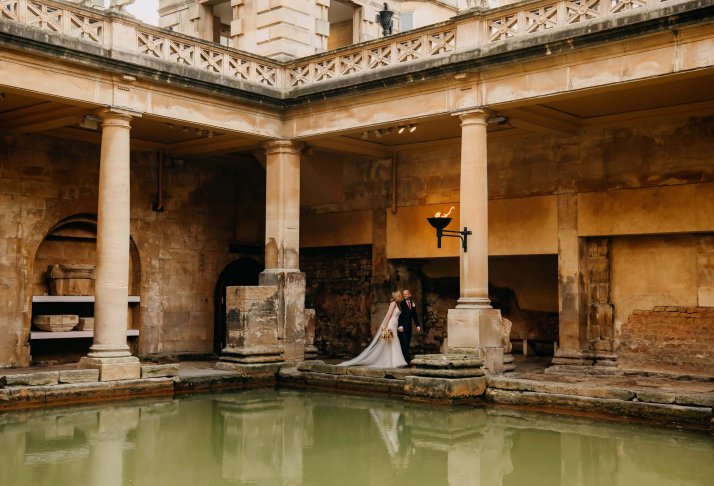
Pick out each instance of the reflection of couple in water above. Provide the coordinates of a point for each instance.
(395, 435)
(390, 346)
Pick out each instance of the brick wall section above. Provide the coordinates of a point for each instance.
(669, 339)
(338, 288)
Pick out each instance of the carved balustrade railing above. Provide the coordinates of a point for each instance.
(59, 18)
(160, 44)
(392, 51)
(482, 28)
(542, 16)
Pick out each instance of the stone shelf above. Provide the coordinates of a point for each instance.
(40, 335)
(133, 299)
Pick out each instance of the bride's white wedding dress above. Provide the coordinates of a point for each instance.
(382, 353)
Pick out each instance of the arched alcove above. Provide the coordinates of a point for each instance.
(72, 241)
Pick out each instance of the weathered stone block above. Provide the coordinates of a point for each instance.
(38, 378)
(308, 365)
(86, 324)
(55, 322)
(252, 354)
(366, 371)
(444, 388)
(397, 373)
(78, 376)
(113, 369)
(71, 279)
(329, 369)
(252, 316)
(656, 396)
(160, 371)
(255, 371)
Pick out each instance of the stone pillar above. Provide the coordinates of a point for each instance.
(571, 354)
(474, 327)
(282, 205)
(282, 243)
(110, 353)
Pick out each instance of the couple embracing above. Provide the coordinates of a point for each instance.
(390, 346)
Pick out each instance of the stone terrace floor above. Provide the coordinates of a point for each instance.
(532, 368)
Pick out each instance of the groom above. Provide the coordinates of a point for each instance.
(406, 317)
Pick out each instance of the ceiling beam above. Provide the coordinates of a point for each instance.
(40, 118)
(216, 145)
(352, 146)
(544, 120)
(95, 137)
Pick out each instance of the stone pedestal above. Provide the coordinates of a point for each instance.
(448, 377)
(112, 369)
(291, 317)
(478, 332)
(252, 326)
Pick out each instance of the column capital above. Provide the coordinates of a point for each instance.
(283, 146)
(473, 115)
(117, 117)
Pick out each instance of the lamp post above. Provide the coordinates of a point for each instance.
(439, 223)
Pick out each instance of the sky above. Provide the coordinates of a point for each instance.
(145, 10)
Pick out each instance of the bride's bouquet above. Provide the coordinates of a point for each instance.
(387, 334)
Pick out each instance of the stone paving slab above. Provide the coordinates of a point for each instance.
(78, 376)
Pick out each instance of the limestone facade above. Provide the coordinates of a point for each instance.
(595, 175)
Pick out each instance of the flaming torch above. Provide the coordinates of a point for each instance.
(440, 222)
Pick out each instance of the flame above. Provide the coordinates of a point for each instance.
(445, 215)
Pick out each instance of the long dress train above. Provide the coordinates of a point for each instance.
(382, 353)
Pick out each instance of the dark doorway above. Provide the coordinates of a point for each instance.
(244, 271)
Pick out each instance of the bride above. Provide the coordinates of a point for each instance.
(384, 350)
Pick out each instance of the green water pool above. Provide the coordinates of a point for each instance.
(269, 437)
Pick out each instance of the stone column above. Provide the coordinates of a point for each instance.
(282, 205)
(109, 352)
(474, 327)
(474, 211)
(282, 243)
(572, 352)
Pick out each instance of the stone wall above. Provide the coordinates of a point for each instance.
(181, 250)
(670, 339)
(338, 288)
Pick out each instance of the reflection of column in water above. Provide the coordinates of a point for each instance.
(108, 442)
(477, 453)
(156, 441)
(262, 439)
(13, 440)
(496, 455)
(293, 430)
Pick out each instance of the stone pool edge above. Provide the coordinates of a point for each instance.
(671, 408)
(503, 390)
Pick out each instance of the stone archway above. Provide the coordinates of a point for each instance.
(243, 271)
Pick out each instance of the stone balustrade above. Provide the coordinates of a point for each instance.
(477, 28)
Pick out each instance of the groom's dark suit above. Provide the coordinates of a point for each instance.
(406, 317)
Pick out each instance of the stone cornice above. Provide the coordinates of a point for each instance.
(670, 15)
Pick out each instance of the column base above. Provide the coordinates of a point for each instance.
(310, 352)
(252, 354)
(445, 377)
(474, 303)
(477, 331)
(584, 362)
(114, 369)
